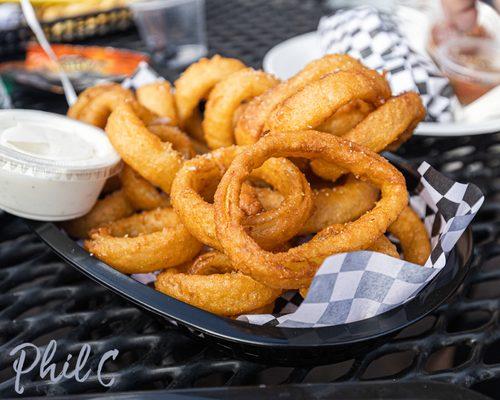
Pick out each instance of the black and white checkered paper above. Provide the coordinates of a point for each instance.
(354, 286)
(373, 37)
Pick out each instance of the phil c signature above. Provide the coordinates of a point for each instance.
(47, 368)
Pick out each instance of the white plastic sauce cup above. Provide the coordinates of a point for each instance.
(52, 168)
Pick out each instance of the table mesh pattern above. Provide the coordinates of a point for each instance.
(42, 298)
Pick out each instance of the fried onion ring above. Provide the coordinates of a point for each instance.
(112, 207)
(212, 285)
(158, 98)
(296, 267)
(94, 105)
(321, 99)
(346, 118)
(226, 97)
(379, 129)
(180, 141)
(270, 228)
(412, 236)
(144, 242)
(193, 126)
(198, 80)
(250, 126)
(340, 204)
(141, 194)
(153, 159)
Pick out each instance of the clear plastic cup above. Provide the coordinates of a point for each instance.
(173, 30)
(472, 64)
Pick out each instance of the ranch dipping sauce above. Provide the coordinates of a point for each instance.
(52, 168)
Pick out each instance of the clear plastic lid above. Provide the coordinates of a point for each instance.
(53, 146)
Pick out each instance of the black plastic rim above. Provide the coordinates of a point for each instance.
(269, 337)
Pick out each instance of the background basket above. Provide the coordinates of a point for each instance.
(67, 30)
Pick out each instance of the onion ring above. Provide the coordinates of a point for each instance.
(112, 207)
(346, 118)
(179, 140)
(158, 98)
(340, 204)
(379, 129)
(226, 97)
(319, 100)
(144, 242)
(296, 267)
(270, 228)
(193, 126)
(212, 285)
(198, 80)
(412, 236)
(141, 194)
(153, 159)
(94, 105)
(250, 126)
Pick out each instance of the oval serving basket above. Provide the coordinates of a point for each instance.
(284, 346)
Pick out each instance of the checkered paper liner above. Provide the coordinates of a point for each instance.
(354, 286)
(373, 37)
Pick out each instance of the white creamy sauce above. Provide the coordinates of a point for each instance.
(45, 142)
(51, 167)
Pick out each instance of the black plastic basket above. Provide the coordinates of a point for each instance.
(285, 346)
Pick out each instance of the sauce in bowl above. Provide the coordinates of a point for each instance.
(472, 64)
(52, 168)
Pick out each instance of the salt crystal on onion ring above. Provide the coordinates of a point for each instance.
(144, 242)
(270, 228)
(296, 267)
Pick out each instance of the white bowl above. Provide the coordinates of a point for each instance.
(52, 168)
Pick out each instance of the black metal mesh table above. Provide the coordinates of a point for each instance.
(42, 298)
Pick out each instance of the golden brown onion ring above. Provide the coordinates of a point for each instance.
(388, 123)
(112, 207)
(179, 140)
(142, 194)
(270, 228)
(226, 97)
(212, 285)
(158, 98)
(319, 100)
(412, 236)
(296, 267)
(193, 126)
(250, 126)
(94, 105)
(346, 118)
(144, 242)
(153, 159)
(198, 80)
(340, 204)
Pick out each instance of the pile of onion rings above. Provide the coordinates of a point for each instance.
(236, 186)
